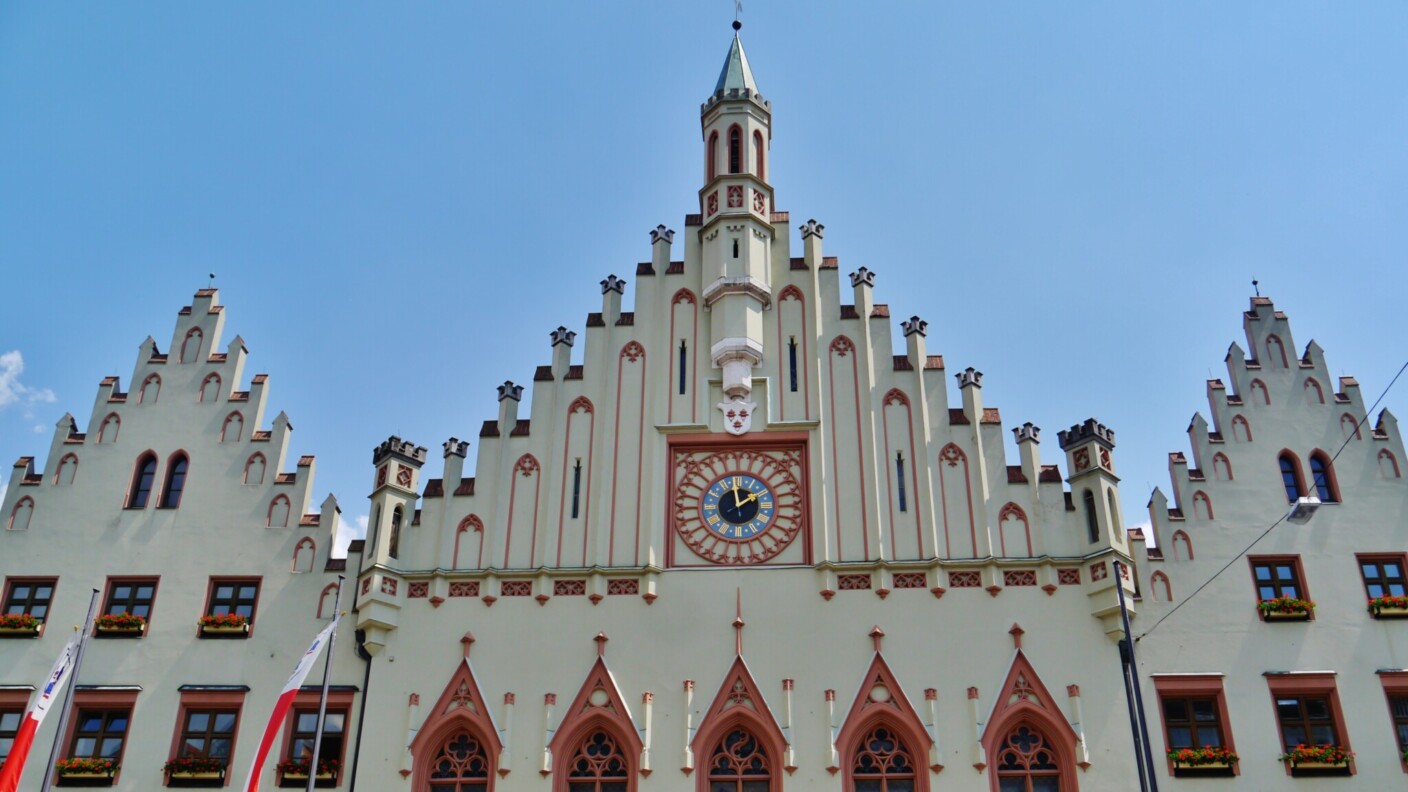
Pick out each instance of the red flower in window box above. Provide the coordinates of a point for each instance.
(1202, 757)
(85, 767)
(1302, 755)
(195, 765)
(224, 624)
(1388, 606)
(1285, 606)
(120, 623)
(19, 624)
(327, 768)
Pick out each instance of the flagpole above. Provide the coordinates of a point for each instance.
(72, 683)
(323, 697)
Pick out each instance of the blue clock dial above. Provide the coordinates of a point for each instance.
(738, 507)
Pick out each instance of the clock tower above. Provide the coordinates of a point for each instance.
(737, 234)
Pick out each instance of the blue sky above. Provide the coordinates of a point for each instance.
(401, 200)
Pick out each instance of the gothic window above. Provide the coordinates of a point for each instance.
(326, 601)
(175, 481)
(68, 467)
(395, 546)
(883, 763)
(1181, 541)
(21, 514)
(254, 470)
(209, 388)
(151, 390)
(792, 363)
(684, 360)
(1202, 505)
(303, 555)
(1241, 429)
(1092, 521)
(107, 433)
(713, 155)
(1313, 393)
(1290, 476)
(1350, 426)
(233, 429)
(1323, 475)
(1259, 392)
(576, 488)
(1027, 763)
(190, 348)
(1115, 512)
(1388, 464)
(758, 155)
(739, 764)
(1163, 592)
(735, 150)
(278, 512)
(598, 765)
(1276, 351)
(1221, 467)
(142, 480)
(460, 765)
(899, 477)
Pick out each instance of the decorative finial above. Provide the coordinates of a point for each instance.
(601, 640)
(210, 284)
(737, 12)
(877, 635)
(1256, 287)
(738, 623)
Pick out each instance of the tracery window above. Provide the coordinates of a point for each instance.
(461, 765)
(735, 151)
(1027, 763)
(739, 764)
(598, 765)
(883, 763)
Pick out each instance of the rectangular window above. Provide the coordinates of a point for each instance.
(9, 727)
(899, 476)
(1306, 720)
(576, 488)
(1383, 576)
(1192, 722)
(302, 727)
(792, 362)
(31, 596)
(208, 734)
(305, 730)
(684, 369)
(1310, 723)
(1398, 708)
(1195, 719)
(1275, 578)
(99, 734)
(237, 597)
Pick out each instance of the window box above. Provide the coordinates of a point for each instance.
(195, 771)
(294, 773)
(300, 780)
(121, 625)
(85, 772)
(1285, 609)
(1389, 607)
(230, 625)
(1318, 760)
(20, 625)
(1196, 762)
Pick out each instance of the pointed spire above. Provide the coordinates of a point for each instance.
(736, 74)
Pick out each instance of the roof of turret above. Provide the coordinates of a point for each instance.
(736, 74)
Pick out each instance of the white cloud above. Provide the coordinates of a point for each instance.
(346, 532)
(12, 391)
(4, 485)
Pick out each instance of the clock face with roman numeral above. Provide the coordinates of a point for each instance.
(739, 506)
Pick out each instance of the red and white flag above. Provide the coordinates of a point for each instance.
(295, 681)
(14, 765)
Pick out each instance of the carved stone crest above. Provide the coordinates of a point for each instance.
(738, 415)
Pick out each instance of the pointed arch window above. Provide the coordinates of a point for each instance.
(303, 556)
(209, 388)
(735, 150)
(883, 763)
(1221, 467)
(1290, 477)
(107, 433)
(175, 482)
(1026, 762)
(740, 764)
(21, 514)
(598, 765)
(68, 468)
(143, 478)
(460, 765)
(395, 545)
(278, 512)
(233, 428)
(190, 348)
(758, 155)
(713, 155)
(150, 391)
(1388, 464)
(254, 469)
(1092, 520)
(1323, 474)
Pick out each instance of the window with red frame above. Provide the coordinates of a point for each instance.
(882, 763)
(31, 597)
(598, 765)
(9, 727)
(99, 733)
(1277, 578)
(208, 734)
(1192, 722)
(305, 732)
(1398, 708)
(1027, 763)
(1383, 577)
(461, 765)
(130, 596)
(739, 764)
(1306, 719)
(238, 597)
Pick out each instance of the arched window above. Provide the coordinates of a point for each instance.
(326, 600)
(1202, 505)
(1323, 474)
(68, 468)
(1092, 520)
(107, 433)
(883, 763)
(209, 388)
(190, 348)
(143, 478)
(21, 514)
(1388, 464)
(461, 765)
(1259, 392)
(1350, 426)
(394, 550)
(739, 764)
(1313, 392)
(1221, 467)
(175, 481)
(1027, 762)
(254, 469)
(1241, 429)
(598, 765)
(1290, 476)
(303, 556)
(1114, 505)
(1181, 540)
(1276, 351)
(758, 155)
(735, 150)
(150, 390)
(1163, 592)
(713, 154)
(233, 428)
(278, 512)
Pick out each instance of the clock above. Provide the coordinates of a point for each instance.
(738, 506)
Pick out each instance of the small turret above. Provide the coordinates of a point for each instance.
(562, 341)
(509, 397)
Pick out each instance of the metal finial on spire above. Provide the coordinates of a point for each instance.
(1256, 287)
(211, 283)
(737, 12)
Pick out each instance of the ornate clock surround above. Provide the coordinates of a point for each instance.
(778, 459)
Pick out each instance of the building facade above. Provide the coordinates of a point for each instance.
(737, 542)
